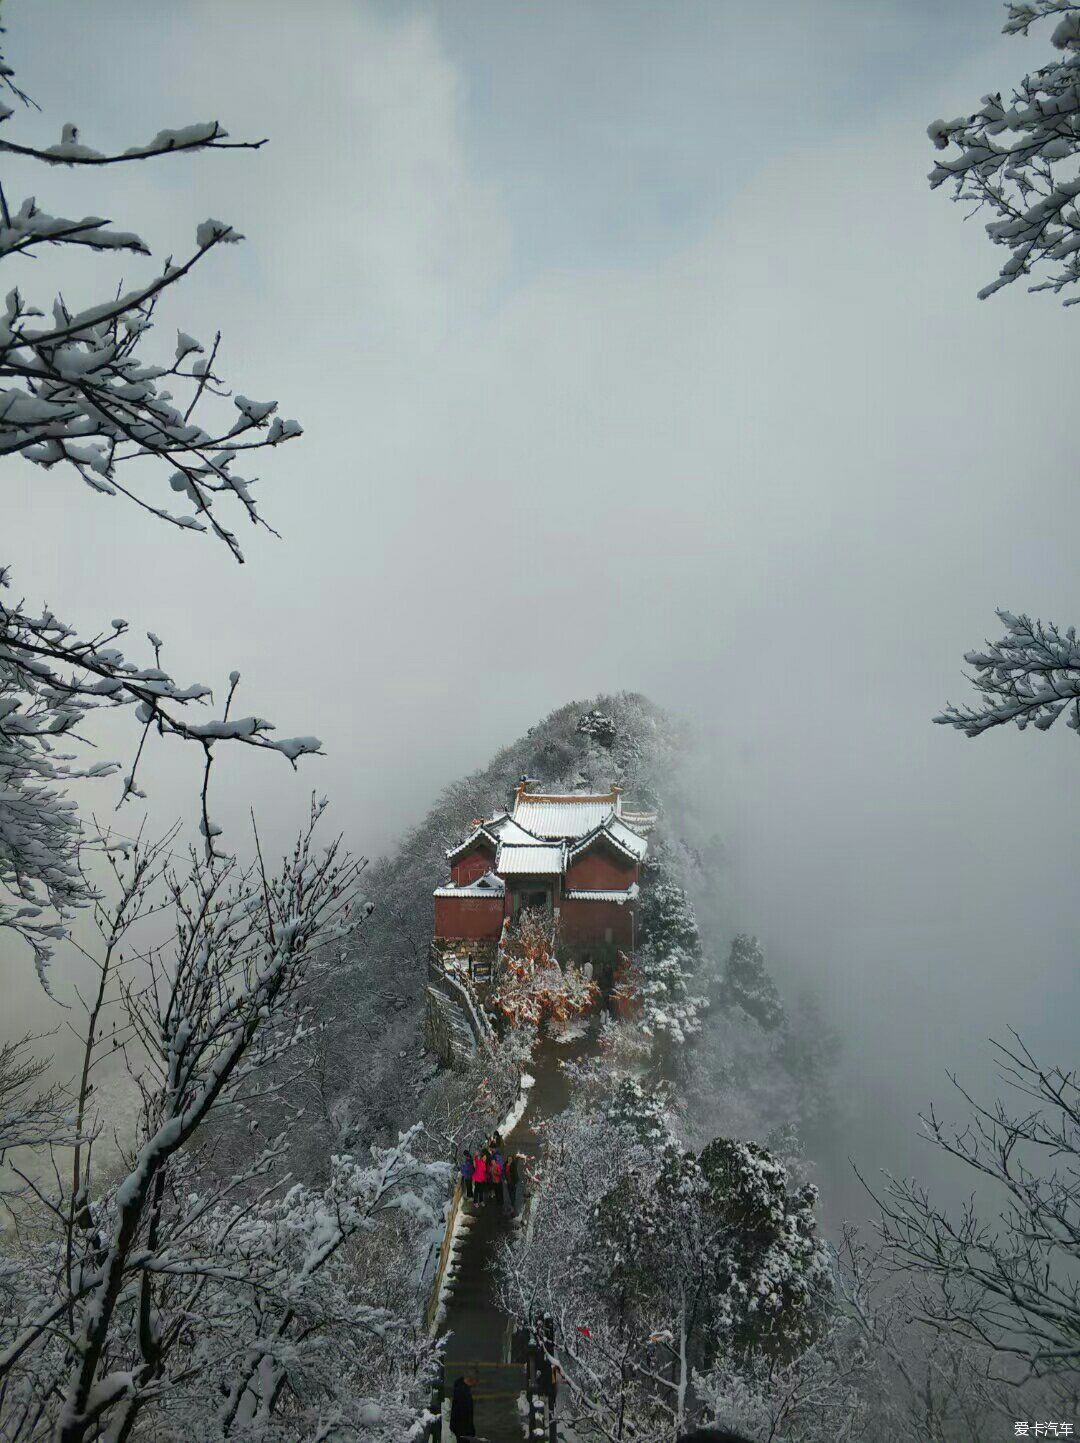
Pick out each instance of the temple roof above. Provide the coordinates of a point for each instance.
(547, 829)
(626, 894)
(478, 834)
(486, 886)
(617, 835)
(570, 814)
(534, 860)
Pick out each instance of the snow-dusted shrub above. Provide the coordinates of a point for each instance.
(533, 986)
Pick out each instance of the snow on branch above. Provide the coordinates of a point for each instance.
(1030, 677)
(79, 392)
(70, 150)
(1017, 158)
(51, 682)
(182, 1299)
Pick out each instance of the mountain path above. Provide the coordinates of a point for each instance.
(479, 1332)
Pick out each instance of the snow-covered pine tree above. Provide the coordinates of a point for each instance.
(599, 726)
(640, 1112)
(657, 1262)
(746, 983)
(725, 1238)
(668, 959)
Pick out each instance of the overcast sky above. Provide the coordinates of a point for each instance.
(632, 352)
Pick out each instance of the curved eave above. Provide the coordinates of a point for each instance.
(472, 894)
(603, 834)
(620, 898)
(480, 835)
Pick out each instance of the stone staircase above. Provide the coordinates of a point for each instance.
(480, 1341)
(480, 1338)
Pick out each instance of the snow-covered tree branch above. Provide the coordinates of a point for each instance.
(1030, 677)
(1017, 158)
(178, 1300)
(79, 391)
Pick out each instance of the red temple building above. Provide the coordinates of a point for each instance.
(576, 857)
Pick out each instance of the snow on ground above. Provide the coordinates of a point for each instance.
(514, 1116)
(568, 1031)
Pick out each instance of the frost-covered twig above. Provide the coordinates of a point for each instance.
(219, 1304)
(1005, 1280)
(79, 392)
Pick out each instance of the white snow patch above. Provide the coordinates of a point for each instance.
(569, 1032)
(514, 1116)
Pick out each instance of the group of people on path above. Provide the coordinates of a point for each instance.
(492, 1176)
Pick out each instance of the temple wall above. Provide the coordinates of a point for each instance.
(472, 864)
(599, 871)
(583, 922)
(472, 918)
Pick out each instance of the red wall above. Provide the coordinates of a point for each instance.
(472, 864)
(476, 919)
(598, 871)
(588, 921)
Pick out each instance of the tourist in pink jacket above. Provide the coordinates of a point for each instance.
(480, 1177)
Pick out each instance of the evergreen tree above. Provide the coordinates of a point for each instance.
(720, 1242)
(747, 984)
(639, 1112)
(668, 959)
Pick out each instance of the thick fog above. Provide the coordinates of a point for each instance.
(632, 352)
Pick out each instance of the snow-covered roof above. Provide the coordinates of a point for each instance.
(626, 837)
(478, 834)
(509, 832)
(549, 814)
(618, 835)
(486, 886)
(628, 894)
(536, 859)
(642, 822)
(547, 829)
